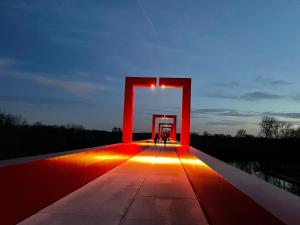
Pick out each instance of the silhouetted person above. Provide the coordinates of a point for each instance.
(165, 139)
(155, 139)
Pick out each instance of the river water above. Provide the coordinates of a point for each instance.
(283, 175)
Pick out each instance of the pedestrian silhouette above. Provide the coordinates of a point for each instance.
(165, 139)
(155, 139)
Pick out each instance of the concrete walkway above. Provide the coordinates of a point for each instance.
(150, 189)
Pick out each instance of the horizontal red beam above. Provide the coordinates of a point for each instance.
(170, 82)
(141, 81)
(164, 116)
(28, 187)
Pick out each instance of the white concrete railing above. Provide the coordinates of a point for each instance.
(282, 204)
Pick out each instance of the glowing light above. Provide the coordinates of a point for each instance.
(152, 86)
(89, 157)
(156, 160)
(150, 143)
(162, 86)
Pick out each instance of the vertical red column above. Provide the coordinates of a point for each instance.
(128, 111)
(153, 126)
(186, 113)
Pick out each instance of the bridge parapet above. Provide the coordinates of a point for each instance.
(231, 196)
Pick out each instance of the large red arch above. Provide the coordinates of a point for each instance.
(164, 82)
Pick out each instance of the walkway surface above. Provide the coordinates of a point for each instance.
(151, 188)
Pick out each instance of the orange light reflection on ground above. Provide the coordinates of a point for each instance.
(156, 160)
(92, 157)
(158, 144)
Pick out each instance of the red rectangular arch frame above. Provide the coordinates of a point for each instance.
(161, 116)
(166, 125)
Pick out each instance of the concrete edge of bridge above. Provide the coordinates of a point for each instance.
(280, 203)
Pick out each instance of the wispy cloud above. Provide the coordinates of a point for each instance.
(267, 81)
(223, 112)
(39, 100)
(112, 79)
(291, 115)
(6, 62)
(250, 96)
(76, 86)
(227, 112)
(227, 84)
(259, 95)
(225, 123)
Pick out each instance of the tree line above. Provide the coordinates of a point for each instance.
(18, 138)
(270, 127)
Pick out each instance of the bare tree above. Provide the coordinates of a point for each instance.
(277, 127)
(285, 130)
(267, 126)
(206, 134)
(241, 133)
(11, 120)
(282, 129)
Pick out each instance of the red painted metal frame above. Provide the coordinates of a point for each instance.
(28, 187)
(160, 116)
(130, 84)
(185, 84)
(164, 82)
(164, 129)
(162, 126)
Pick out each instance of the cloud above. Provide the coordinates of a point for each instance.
(292, 115)
(39, 100)
(112, 79)
(220, 95)
(296, 98)
(227, 84)
(223, 112)
(225, 123)
(259, 95)
(77, 86)
(271, 82)
(250, 96)
(6, 62)
(236, 113)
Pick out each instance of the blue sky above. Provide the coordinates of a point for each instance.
(65, 61)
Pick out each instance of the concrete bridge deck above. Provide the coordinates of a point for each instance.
(150, 188)
(138, 183)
